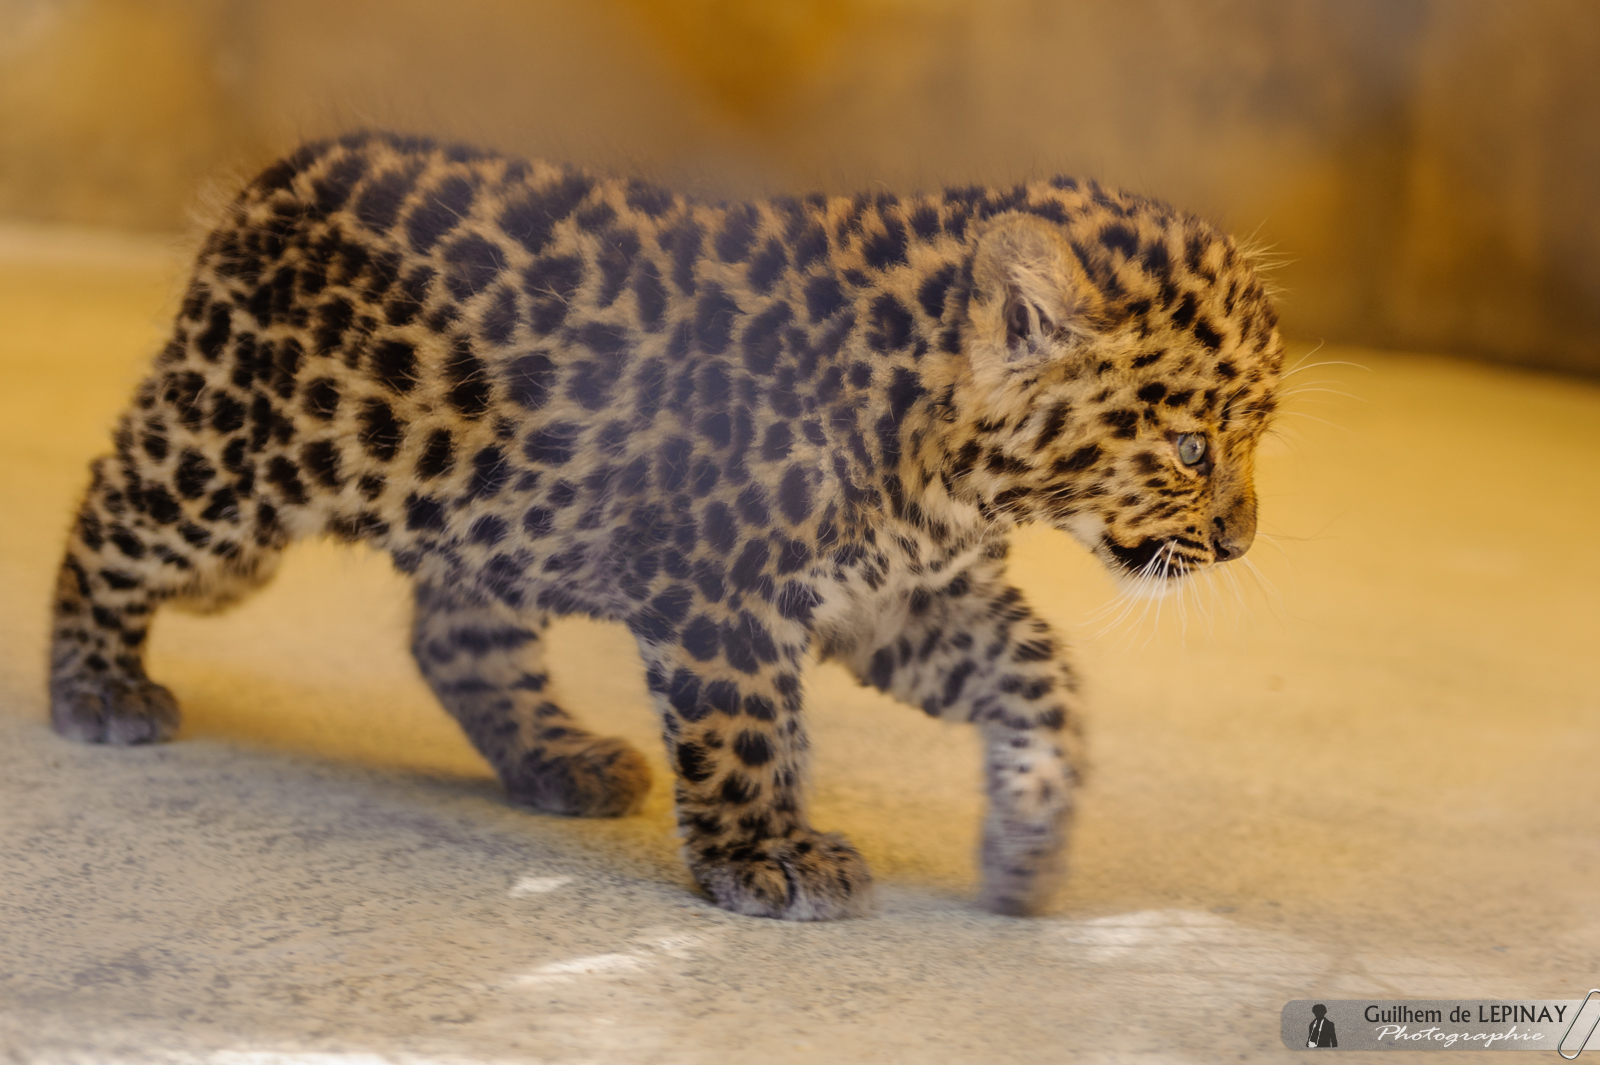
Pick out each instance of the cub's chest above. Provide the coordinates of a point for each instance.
(869, 591)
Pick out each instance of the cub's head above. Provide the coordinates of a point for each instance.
(1120, 365)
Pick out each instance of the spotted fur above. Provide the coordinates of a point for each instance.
(745, 430)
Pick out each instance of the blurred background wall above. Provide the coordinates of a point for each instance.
(1429, 168)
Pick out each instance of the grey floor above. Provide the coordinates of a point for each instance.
(1370, 772)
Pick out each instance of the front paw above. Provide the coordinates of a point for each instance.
(121, 713)
(806, 876)
(1022, 865)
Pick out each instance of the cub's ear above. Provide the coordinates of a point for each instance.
(1031, 297)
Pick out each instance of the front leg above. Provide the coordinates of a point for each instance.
(728, 689)
(969, 648)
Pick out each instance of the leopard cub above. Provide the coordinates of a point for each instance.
(744, 430)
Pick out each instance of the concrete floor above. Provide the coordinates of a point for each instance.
(1378, 779)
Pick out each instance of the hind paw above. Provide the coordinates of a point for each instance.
(607, 778)
(118, 712)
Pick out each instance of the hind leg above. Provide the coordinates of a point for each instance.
(124, 558)
(486, 666)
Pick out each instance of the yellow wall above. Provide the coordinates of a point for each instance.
(1428, 166)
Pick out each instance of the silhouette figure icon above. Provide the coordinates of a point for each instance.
(1321, 1033)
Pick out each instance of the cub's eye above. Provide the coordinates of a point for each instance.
(1191, 449)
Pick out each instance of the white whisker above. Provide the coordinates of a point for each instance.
(1266, 584)
(1314, 418)
(1310, 388)
(1314, 365)
(1272, 541)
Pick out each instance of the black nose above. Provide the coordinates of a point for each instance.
(1232, 539)
(1227, 549)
